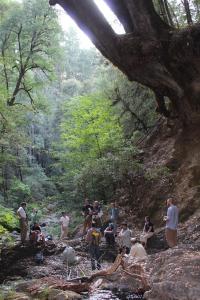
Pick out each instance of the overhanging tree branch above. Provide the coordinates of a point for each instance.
(154, 54)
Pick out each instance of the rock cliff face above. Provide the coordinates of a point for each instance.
(171, 159)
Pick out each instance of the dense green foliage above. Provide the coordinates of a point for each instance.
(29, 32)
(69, 120)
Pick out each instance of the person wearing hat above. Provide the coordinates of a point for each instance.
(125, 237)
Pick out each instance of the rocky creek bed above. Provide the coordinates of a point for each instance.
(173, 274)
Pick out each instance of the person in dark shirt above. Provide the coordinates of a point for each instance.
(93, 238)
(36, 227)
(36, 236)
(87, 214)
(110, 235)
(148, 231)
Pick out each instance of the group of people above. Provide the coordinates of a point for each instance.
(36, 236)
(129, 245)
(93, 230)
(91, 213)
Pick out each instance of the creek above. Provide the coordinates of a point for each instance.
(114, 295)
(25, 269)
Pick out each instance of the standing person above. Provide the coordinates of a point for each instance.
(87, 213)
(114, 216)
(171, 223)
(64, 222)
(23, 221)
(148, 231)
(93, 239)
(125, 238)
(97, 214)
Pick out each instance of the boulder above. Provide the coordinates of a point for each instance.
(174, 274)
(17, 296)
(56, 294)
(157, 242)
(69, 255)
(51, 207)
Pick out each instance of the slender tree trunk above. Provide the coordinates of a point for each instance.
(4, 179)
(171, 22)
(188, 12)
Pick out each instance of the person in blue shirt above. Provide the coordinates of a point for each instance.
(114, 216)
(171, 223)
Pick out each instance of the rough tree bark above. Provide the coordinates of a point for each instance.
(151, 52)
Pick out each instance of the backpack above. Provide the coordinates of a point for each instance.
(39, 258)
(96, 235)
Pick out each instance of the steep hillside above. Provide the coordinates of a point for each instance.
(171, 158)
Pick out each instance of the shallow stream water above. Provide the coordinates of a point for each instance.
(113, 295)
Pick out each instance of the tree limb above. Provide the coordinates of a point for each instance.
(122, 13)
(89, 18)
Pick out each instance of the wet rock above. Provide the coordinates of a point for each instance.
(23, 286)
(56, 294)
(51, 207)
(17, 296)
(108, 253)
(157, 242)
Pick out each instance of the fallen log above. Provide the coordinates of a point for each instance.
(118, 262)
(139, 273)
(57, 283)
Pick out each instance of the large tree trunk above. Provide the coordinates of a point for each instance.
(165, 59)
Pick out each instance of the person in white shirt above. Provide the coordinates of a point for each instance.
(23, 221)
(125, 237)
(64, 222)
(137, 251)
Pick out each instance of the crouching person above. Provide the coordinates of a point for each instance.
(137, 252)
(148, 231)
(93, 239)
(36, 236)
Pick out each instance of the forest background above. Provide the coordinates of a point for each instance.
(70, 122)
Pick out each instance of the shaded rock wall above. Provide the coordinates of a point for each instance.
(171, 158)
